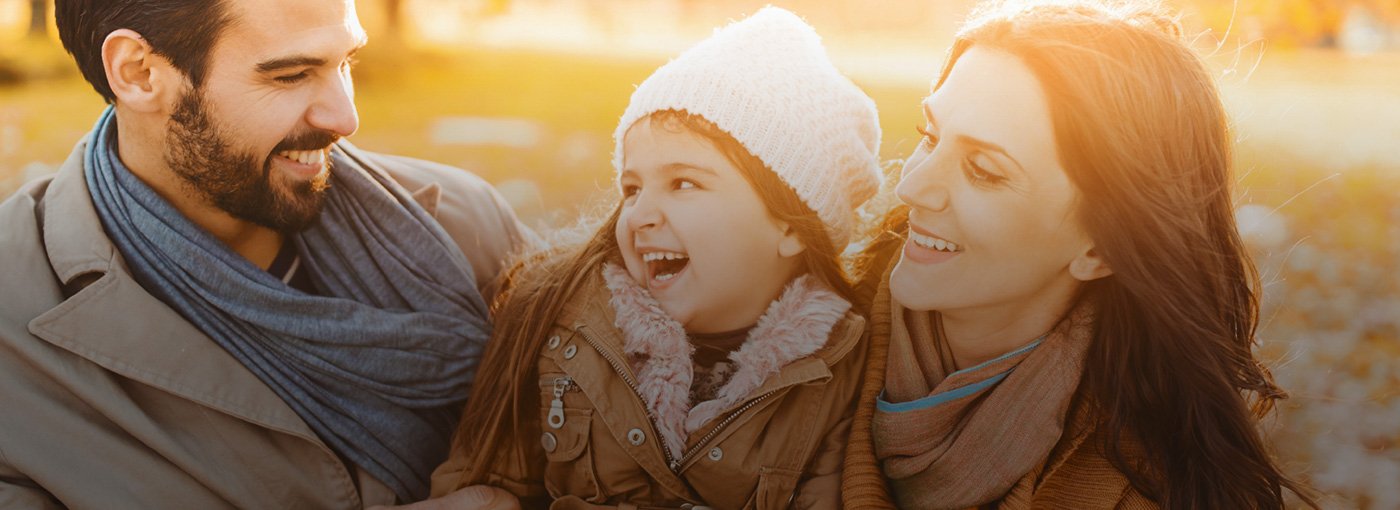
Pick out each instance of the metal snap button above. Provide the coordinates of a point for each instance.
(570, 351)
(554, 342)
(716, 454)
(636, 437)
(549, 442)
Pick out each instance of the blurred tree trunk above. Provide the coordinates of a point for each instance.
(393, 15)
(38, 17)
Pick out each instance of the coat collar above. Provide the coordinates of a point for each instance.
(112, 321)
(778, 352)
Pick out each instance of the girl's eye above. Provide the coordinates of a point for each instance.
(628, 190)
(979, 170)
(686, 184)
(292, 78)
(929, 139)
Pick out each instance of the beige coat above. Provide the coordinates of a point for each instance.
(109, 399)
(778, 445)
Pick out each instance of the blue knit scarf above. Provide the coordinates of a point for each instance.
(379, 365)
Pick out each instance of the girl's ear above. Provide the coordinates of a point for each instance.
(1089, 266)
(790, 245)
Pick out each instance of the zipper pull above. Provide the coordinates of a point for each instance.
(556, 406)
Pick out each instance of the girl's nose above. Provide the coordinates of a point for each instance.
(643, 213)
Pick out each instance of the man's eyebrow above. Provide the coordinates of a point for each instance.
(278, 64)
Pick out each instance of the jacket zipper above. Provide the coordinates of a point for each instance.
(651, 419)
(700, 446)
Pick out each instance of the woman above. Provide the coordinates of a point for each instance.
(1063, 312)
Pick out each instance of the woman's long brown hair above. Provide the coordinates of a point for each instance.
(506, 397)
(1142, 133)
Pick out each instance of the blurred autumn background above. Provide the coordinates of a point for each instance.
(527, 92)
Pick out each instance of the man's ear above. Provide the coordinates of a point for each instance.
(1089, 266)
(141, 80)
(790, 245)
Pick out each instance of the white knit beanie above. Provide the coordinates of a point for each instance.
(767, 82)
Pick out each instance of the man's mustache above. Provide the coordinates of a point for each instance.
(310, 141)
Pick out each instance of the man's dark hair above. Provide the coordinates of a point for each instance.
(182, 31)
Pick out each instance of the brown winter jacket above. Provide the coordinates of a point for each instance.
(777, 441)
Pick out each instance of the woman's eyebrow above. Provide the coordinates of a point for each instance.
(978, 143)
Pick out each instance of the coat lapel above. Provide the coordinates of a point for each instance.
(116, 324)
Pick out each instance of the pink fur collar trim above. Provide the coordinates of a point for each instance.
(796, 325)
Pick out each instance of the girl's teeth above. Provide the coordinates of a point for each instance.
(653, 256)
(665, 277)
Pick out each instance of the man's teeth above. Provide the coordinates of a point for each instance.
(660, 255)
(317, 157)
(933, 243)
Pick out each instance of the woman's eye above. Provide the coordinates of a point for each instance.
(629, 190)
(929, 139)
(292, 78)
(979, 170)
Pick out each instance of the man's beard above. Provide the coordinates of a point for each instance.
(237, 182)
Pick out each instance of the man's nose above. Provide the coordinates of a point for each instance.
(334, 107)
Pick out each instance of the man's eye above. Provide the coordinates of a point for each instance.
(291, 78)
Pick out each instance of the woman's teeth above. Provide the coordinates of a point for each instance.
(933, 243)
(317, 157)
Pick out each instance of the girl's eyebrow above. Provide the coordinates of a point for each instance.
(675, 168)
(671, 169)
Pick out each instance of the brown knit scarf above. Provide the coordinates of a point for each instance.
(959, 439)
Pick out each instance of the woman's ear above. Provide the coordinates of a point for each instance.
(790, 245)
(1089, 266)
(140, 79)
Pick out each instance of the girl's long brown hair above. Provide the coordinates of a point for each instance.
(1143, 136)
(505, 398)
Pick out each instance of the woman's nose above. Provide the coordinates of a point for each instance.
(923, 185)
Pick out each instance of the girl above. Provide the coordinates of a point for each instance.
(1069, 318)
(699, 349)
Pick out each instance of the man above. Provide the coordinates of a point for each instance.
(216, 302)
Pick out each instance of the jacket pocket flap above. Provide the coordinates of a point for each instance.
(570, 439)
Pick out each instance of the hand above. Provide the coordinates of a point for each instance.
(476, 497)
